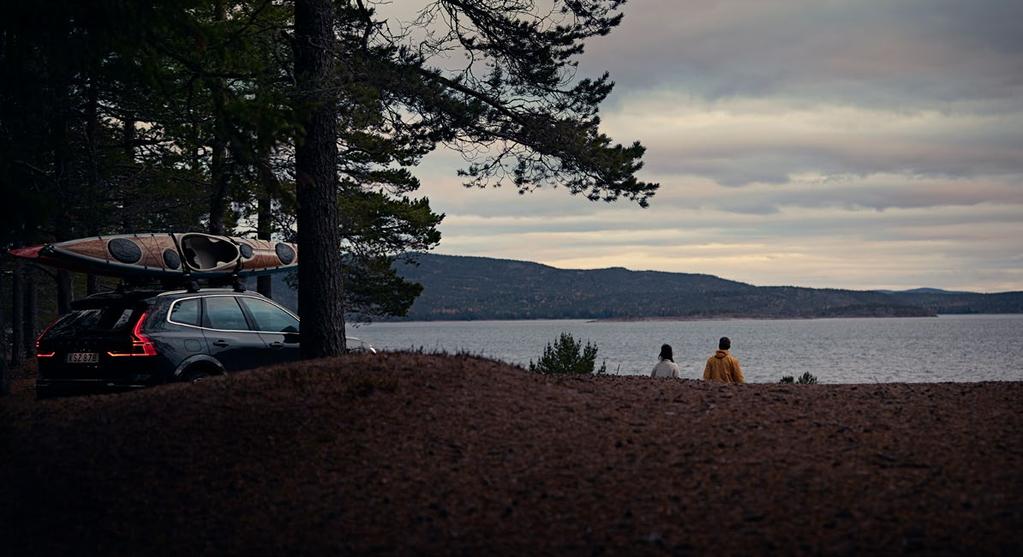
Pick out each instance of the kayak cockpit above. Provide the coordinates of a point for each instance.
(208, 253)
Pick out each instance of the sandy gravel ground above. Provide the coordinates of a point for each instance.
(414, 454)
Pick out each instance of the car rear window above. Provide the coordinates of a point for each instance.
(110, 319)
(185, 312)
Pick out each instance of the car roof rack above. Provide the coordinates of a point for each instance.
(186, 282)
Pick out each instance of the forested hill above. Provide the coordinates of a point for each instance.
(462, 288)
(484, 288)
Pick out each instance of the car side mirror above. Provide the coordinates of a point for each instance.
(292, 338)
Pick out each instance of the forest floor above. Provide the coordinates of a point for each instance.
(412, 454)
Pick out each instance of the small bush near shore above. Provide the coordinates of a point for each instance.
(804, 379)
(567, 356)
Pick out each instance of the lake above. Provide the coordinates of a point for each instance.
(856, 350)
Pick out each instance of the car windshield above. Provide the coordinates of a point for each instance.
(109, 319)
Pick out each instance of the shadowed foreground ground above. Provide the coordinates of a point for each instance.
(414, 453)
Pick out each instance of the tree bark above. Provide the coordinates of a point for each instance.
(31, 312)
(264, 231)
(264, 216)
(91, 127)
(91, 140)
(219, 175)
(5, 381)
(319, 239)
(128, 134)
(17, 315)
(63, 168)
(65, 291)
(218, 168)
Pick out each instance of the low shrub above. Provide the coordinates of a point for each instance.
(804, 379)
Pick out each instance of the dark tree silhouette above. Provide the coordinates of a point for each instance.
(514, 108)
(149, 116)
(319, 238)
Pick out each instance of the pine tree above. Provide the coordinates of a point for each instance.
(567, 356)
(514, 109)
(127, 116)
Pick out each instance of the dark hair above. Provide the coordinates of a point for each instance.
(724, 343)
(666, 353)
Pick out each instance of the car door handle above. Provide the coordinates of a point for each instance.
(277, 344)
(220, 343)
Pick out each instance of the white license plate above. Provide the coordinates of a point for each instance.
(83, 358)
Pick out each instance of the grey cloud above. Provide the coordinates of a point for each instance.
(682, 221)
(890, 194)
(950, 246)
(737, 143)
(775, 164)
(945, 55)
(879, 143)
(866, 52)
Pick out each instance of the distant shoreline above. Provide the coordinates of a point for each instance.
(755, 317)
(677, 319)
(457, 288)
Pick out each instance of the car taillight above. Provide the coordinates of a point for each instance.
(39, 339)
(141, 345)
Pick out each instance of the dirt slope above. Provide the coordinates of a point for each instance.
(413, 453)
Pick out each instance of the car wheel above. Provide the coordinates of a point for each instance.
(195, 375)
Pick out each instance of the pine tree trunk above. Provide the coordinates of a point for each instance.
(65, 291)
(264, 230)
(5, 381)
(91, 140)
(63, 168)
(218, 171)
(31, 312)
(17, 316)
(91, 128)
(128, 134)
(264, 215)
(319, 239)
(219, 174)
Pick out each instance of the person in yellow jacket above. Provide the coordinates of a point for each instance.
(722, 366)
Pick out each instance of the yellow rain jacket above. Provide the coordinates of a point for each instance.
(724, 368)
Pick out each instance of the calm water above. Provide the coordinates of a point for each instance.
(862, 350)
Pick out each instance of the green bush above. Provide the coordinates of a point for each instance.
(804, 379)
(567, 356)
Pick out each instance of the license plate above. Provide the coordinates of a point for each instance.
(83, 358)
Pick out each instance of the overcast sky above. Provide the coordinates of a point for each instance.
(853, 144)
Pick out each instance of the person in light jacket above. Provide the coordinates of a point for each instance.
(722, 366)
(666, 367)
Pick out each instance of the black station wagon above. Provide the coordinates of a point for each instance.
(133, 339)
